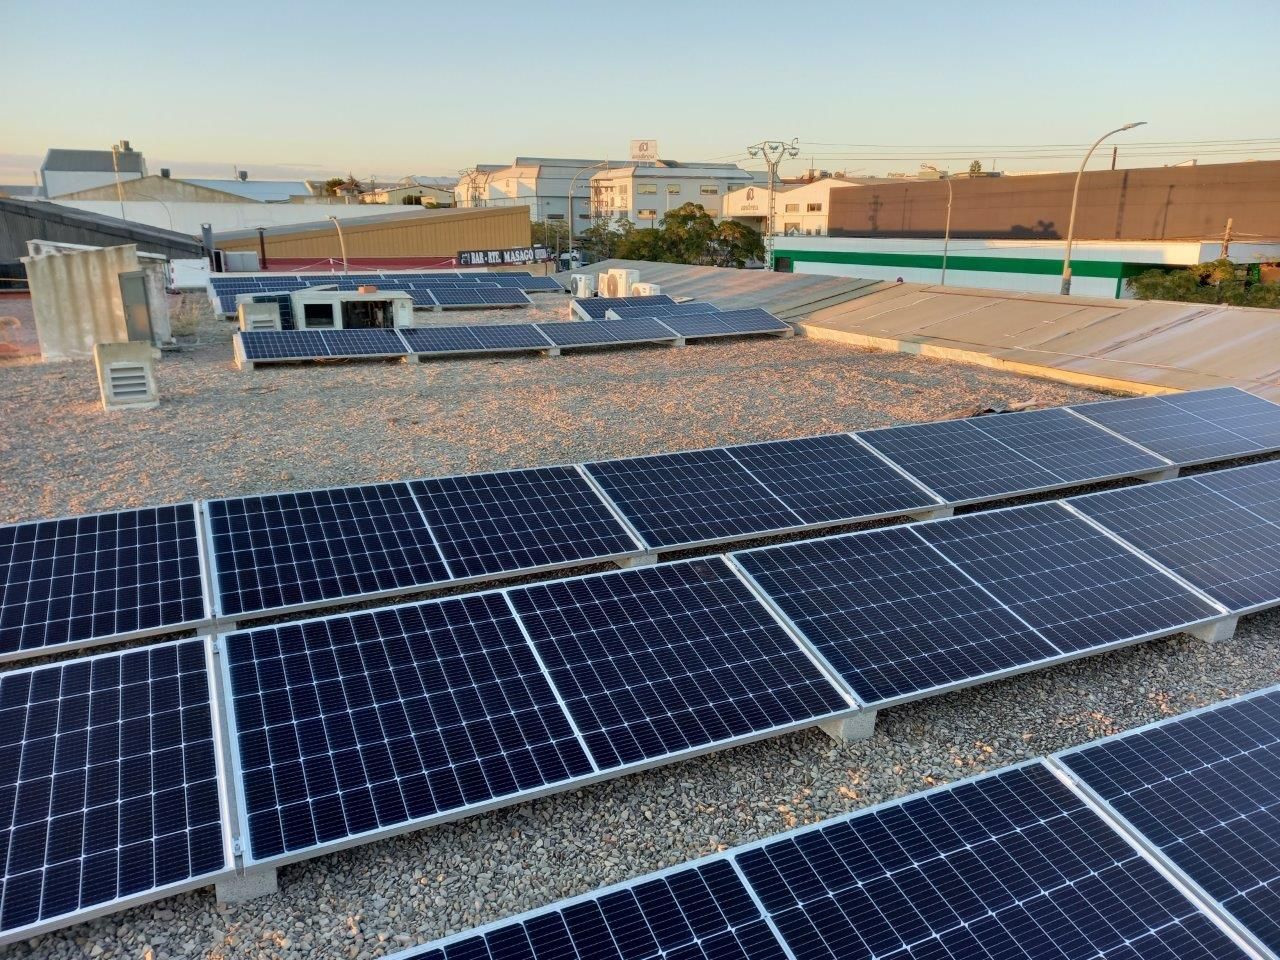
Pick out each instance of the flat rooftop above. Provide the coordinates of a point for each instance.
(221, 432)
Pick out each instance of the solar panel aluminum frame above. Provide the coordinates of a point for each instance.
(1156, 473)
(926, 512)
(245, 857)
(733, 853)
(1139, 840)
(470, 351)
(202, 547)
(221, 621)
(229, 840)
(1081, 410)
(1203, 624)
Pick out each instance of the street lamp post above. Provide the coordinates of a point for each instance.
(342, 243)
(946, 236)
(773, 152)
(1075, 195)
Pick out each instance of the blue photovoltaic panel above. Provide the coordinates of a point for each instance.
(1072, 449)
(369, 722)
(532, 284)
(698, 913)
(661, 660)
(578, 333)
(830, 478)
(108, 784)
(597, 307)
(1193, 427)
(697, 325)
(461, 339)
(479, 296)
(85, 579)
(1256, 488)
(1075, 585)
(753, 320)
(687, 498)
(363, 343)
(260, 345)
(489, 523)
(891, 615)
(510, 336)
(1009, 865)
(292, 549)
(1214, 544)
(1204, 790)
(663, 310)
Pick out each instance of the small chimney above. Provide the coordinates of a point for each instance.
(124, 147)
(243, 174)
(164, 172)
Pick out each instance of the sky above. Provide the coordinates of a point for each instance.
(293, 90)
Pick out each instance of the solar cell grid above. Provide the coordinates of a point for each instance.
(825, 479)
(1009, 865)
(1204, 790)
(108, 782)
(1216, 545)
(753, 320)
(662, 310)
(293, 549)
(657, 661)
(891, 616)
(597, 307)
(461, 339)
(354, 725)
(490, 523)
(265, 345)
(1255, 487)
(85, 579)
(602, 332)
(510, 336)
(1075, 585)
(363, 343)
(698, 913)
(693, 497)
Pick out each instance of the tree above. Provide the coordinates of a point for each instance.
(332, 184)
(1215, 282)
(687, 234)
(975, 168)
(552, 234)
(737, 245)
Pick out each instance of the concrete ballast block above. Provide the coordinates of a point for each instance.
(856, 726)
(252, 883)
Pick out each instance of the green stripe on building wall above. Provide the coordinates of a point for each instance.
(1032, 265)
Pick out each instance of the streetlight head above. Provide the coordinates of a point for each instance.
(1130, 126)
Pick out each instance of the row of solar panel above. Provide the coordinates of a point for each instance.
(596, 308)
(267, 346)
(225, 289)
(82, 580)
(1031, 861)
(360, 725)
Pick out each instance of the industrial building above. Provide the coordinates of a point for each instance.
(65, 171)
(799, 209)
(426, 191)
(1009, 233)
(644, 192)
(399, 237)
(542, 184)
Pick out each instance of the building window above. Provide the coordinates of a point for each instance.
(555, 216)
(646, 214)
(622, 189)
(709, 190)
(646, 188)
(791, 229)
(791, 208)
(814, 208)
(673, 189)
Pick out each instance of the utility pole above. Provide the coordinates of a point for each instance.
(1114, 153)
(946, 236)
(1075, 196)
(1226, 240)
(773, 152)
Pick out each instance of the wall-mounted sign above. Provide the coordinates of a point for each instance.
(644, 150)
(502, 258)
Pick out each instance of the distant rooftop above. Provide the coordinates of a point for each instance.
(98, 161)
(264, 191)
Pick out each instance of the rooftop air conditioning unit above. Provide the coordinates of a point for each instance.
(609, 287)
(625, 278)
(645, 290)
(258, 316)
(584, 285)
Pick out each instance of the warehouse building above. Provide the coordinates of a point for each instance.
(65, 171)
(401, 238)
(644, 193)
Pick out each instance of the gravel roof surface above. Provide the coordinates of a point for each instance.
(220, 432)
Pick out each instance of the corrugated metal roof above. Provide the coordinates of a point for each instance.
(99, 161)
(788, 295)
(23, 220)
(264, 191)
(394, 214)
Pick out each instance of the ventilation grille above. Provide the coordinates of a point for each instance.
(127, 381)
(260, 322)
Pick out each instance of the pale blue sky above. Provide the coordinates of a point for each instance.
(309, 89)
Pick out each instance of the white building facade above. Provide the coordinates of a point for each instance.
(645, 193)
(542, 184)
(67, 171)
(799, 209)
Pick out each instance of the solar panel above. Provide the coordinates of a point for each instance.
(82, 580)
(363, 343)
(364, 724)
(827, 479)
(510, 336)
(489, 523)
(110, 785)
(695, 913)
(532, 284)
(1214, 544)
(658, 661)
(698, 325)
(596, 307)
(264, 346)
(1012, 864)
(1256, 488)
(754, 320)
(661, 310)
(1075, 585)
(478, 296)
(577, 333)
(683, 499)
(891, 616)
(1203, 789)
(289, 550)
(1193, 427)
(461, 339)
(1072, 449)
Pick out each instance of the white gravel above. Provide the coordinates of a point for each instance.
(220, 432)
